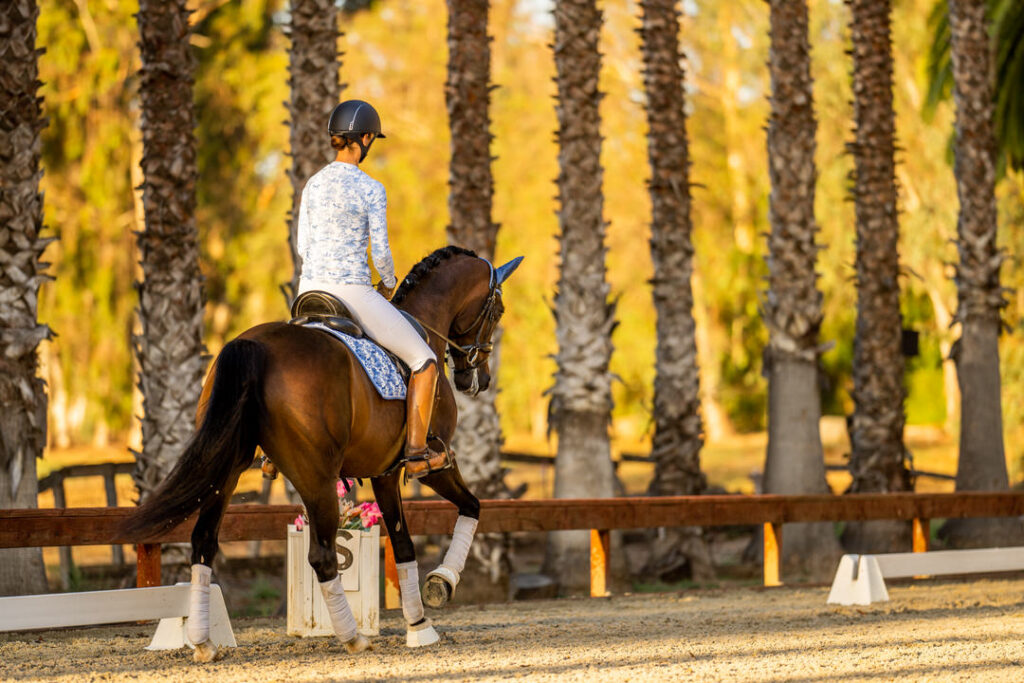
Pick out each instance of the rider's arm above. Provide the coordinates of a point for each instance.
(302, 232)
(377, 205)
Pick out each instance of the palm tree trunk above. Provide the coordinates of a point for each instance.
(878, 461)
(313, 64)
(478, 436)
(982, 464)
(581, 400)
(678, 429)
(170, 348)
(22, 392)
(792, 306)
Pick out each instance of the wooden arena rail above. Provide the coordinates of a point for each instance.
(99, 526)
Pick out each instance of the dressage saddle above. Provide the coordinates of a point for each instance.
(323, 307)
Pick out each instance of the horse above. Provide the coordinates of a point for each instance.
(303, 398)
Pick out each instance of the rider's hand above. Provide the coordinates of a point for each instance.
(384, 290)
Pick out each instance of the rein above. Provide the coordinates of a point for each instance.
(473, 351)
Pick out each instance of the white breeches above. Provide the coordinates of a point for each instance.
(380, 320)
(199, 605)
(342, 619)
(409, 586)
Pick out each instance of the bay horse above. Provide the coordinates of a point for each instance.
(302, 397)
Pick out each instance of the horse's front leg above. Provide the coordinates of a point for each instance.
(322, 507)
(440, 585)
(420, 631)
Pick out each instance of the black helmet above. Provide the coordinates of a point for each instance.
(354, 117)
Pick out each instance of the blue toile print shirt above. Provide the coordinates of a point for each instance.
(343, 210)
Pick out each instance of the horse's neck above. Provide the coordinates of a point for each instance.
(436, 308)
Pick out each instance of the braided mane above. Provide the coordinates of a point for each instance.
(425, 267)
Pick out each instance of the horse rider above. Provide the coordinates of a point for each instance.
(342, 211)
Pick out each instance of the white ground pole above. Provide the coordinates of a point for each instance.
(170, 604)
(455, 559)
(420, 632)
(860, 579)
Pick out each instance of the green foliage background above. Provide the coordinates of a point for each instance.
(395, 56)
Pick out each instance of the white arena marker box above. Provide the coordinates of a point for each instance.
(359, 565)
(860, 579)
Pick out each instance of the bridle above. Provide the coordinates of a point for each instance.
(485, 323)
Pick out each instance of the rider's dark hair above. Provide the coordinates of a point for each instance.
(425, 267)
(343, 142)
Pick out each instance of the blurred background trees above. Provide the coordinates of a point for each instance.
(396, 56)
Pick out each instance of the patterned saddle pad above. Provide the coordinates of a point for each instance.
(379, 367)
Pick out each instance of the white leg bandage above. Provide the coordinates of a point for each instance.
(409, 585)
(458, 551)
(199, 604)
(342, 619)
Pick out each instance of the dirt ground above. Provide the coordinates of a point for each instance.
(929, 631)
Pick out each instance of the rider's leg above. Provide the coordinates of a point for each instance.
(419, 410)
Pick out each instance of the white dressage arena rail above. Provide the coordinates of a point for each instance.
(167, 603)
(860, 579)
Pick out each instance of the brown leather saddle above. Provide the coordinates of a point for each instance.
(323, 307)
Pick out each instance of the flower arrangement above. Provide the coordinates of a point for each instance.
(355, 517)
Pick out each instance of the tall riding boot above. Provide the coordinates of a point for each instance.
(421, 461)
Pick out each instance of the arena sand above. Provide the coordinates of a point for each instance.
(930, 631)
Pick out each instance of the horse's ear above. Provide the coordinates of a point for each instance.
(501, 273)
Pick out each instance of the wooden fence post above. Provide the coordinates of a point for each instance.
(116, 551)
(600, 541)
(392, 598)
(772, 553)
(922, 534)
(67, 561)
(148, 564)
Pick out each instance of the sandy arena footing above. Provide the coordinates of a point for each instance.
(933, 631)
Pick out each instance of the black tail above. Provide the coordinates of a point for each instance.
(226, 441)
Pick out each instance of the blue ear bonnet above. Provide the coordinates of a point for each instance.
(502, 272)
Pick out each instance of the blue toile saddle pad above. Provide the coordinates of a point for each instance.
(375, 361)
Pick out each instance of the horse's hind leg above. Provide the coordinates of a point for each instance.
(322, 508)
(204, 549)
(440, 585)
(389, 499)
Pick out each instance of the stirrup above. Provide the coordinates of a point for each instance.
(436, 461)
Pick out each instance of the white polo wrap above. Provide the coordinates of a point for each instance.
(199, 604)
(342, 619)
(409, 585)
(458, 551)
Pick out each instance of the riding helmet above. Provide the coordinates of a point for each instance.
(354, 117)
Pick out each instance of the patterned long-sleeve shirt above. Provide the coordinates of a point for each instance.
(343, 211)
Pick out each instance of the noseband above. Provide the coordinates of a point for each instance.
(485, 323)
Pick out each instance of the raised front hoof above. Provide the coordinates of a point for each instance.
(436, 592)
(421, 635)
(358, 644)
(207, 652)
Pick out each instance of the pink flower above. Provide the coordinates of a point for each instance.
(341, 486)
(369, 514)
(299, 523)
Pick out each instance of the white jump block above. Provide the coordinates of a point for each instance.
(167, 603)
(860, 579)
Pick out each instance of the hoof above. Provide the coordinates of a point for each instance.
(358, 644)
(436, 592)
(207, 652)
(421, 635)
